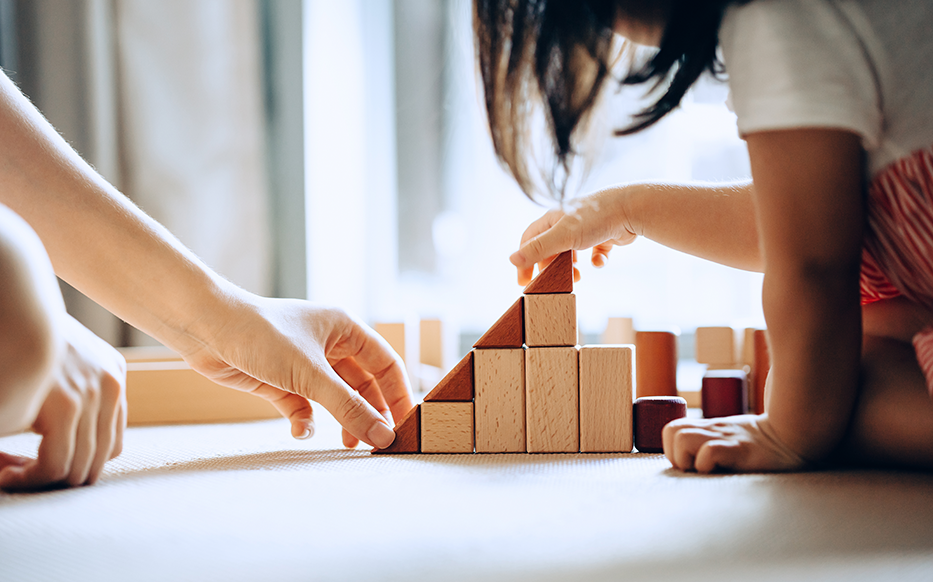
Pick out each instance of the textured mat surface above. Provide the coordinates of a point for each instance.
(247, 502)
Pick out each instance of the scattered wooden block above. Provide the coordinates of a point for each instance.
(718, 346)
(693, 398)
(650, 415)
(656, 363)
(606, 399)
(457, 385)
(551, 320)
(557, 277)
(499, 376)
(508, 331)
(724, 393)
(619, 330)
(431, 343)
(407, 435)
(760, 368)
(447, 427)
(394, 333)
(551, 400)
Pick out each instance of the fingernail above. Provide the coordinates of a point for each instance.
(381, 435)
(307, 432)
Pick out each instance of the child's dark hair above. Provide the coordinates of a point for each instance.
(559, 53)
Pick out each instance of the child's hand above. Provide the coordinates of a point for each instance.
(81, 419)
(596, 221)
(743, 443)
(289, 351)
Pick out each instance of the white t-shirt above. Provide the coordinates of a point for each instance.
(860, 65)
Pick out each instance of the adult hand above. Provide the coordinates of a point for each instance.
(289, 351)
(598, 220)
(81, 419)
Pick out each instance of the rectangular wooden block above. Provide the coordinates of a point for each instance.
(551, 320)
(431, 342)
(447, 427)
(499, 398)
(718, 346)
(606, 377)
(552, 423)
(172, 393)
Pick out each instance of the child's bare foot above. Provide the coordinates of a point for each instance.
(735, 443)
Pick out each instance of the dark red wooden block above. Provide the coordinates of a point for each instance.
(457, 385)
(649, 416)
(724, 393)
(508, 332)
(407, 435)
(557, 277)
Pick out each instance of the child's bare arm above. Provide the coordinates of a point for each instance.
(711, 222)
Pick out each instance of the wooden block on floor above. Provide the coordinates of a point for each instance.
(447, 427)
(650, 414)
(552, 400)
(693, 398)
(718, 346)
(760, 369)
(457, 385)
(407, 435)
(499, 399)
(551, 320)
(619, 331)
(606, 379)
(557, 277)
(394, 333)
(431, 343)
(724, 393)
(171, 392)
(655, 363)
(508, 331)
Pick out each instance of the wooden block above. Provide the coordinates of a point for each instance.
(693, 398)
(171, 393)
(431, 342)
(457, 385)
(717, 346)
(606, 379)
(508, 331)
(655, 363)
(407, 435)
(619, 330)
(724, 393)
(760, 368)
(748, 346)
(447, 427)
(499, 411)
(557, 277)
(394, 333)
(551, 320)
(552, 400)
(650, 414)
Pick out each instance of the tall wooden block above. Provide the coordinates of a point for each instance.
(394, 333)
(606, 377)
(508, 331)
(431, 343)
(551, 320)
(557, 277)
(552, 400)
(760, 369)
(724, 393)
(447, 427)
(655, 363)
(457, 385)
(407, 434)
(499, 377)
(718, 346)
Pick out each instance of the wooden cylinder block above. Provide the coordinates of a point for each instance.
(724, 393)
(650, 414)
(655, 363)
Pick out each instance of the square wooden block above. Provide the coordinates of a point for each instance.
(499, 398)
(606, 377)
(551, 320)
(447, 427)
(718, 346)
(552, 422)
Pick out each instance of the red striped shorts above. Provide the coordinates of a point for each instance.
(898, 253)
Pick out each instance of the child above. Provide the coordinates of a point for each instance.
(66, 384)
(833, 98)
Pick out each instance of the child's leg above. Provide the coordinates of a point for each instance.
(30, 302)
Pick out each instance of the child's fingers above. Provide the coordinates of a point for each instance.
(713, 454)
(600, 254)
(7, 460)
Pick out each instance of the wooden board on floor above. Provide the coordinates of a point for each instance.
(447, 427)
(499, 377)
(552, 400)
(606, 377)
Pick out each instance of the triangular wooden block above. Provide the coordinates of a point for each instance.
(407, 434)
(508, 332)
(457, 385)
(557, 277)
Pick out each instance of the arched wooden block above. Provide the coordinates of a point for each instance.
(407, 434)
(650, 414)
(724, 393)
(557, 277)
(508, 332)
(457, 385)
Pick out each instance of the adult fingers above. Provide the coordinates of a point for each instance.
(294, 407)
(120, 427)
(364, 383)
(350, 409)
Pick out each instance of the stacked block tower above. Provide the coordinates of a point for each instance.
(527, 387)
